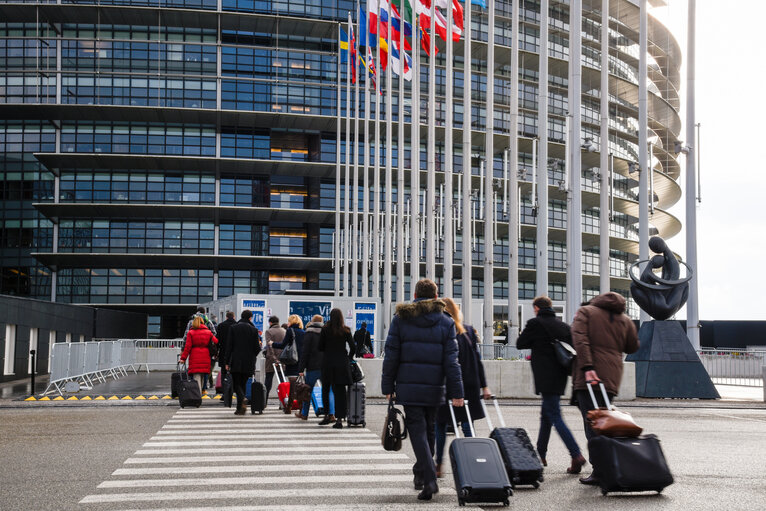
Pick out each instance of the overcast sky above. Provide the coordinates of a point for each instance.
(731, 104)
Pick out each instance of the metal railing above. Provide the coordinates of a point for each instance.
(741, 367)
(87, 363)
(493, 351)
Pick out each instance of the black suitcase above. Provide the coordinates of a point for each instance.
(629, 464)
(356, 403)
(478, 468)
(189, 393)
(227, 390)
(175, 378)
(257, 397)
(521, 461)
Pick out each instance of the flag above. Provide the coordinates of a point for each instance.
(396, 23)
(343, 46)
(383, 54)
(424, 9)
(480, 3)
(395, 62)
(425, 41)
(353, 56)
(372, 10)
(407, 7)
(365, 38)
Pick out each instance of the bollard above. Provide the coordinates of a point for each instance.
(32, 375)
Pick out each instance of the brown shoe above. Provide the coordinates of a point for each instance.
(240, 410)
(591, 480)
(577, 464)
(438, 470)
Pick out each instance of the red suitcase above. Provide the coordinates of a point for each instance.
(283, 389)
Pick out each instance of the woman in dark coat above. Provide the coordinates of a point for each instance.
(294, 335)
(550, 377)
(474, 383)
(336, 370)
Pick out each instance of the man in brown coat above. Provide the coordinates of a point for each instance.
(601, 332)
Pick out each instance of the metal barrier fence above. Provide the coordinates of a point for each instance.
(89, 362)
(487, 351)
(734, 366)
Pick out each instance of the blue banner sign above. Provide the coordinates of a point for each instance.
(307, 309)
(253, 304)
(361, 306)
(369, 318)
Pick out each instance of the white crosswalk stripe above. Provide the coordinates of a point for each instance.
(209, 459)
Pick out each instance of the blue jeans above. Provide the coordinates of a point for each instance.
(550, 416)
(440, 430)
(311, 378)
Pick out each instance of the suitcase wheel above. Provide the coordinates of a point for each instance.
(261, 412)
(541, 478)
(604, 492)
(535, 485)
(461, 502)
(506, 503)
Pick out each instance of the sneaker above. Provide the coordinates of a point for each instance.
(338, 424)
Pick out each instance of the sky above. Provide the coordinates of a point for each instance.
(730, 105)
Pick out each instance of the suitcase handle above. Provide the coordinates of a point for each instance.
(497, 409)
(277, 370)
(454, 421)
(603, 393)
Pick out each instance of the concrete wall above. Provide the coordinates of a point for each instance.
(66, 320)
(506, 378)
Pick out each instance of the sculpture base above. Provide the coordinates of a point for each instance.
(668, 366)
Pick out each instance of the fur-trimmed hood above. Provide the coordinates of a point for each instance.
(420, 308)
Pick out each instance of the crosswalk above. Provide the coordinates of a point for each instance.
(207, 458)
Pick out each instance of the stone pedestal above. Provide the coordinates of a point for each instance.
(668, 366)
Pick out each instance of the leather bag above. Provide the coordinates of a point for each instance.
(301, 391)
(610, 421)
(565, 354)
(394, 431)
(289, 355)
(357, 374)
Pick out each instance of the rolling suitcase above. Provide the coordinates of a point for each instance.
(257, 396)
(316, 400)
(356, 403)
(519, 455)
(283, 389)
(175, 378)
(189, 393)
(628, 464)
(477, 467)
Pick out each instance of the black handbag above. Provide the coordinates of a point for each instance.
(357, 374)
(394, 431)
(289, 355)
(564, 352)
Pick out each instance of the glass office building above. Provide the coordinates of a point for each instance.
(156, 154)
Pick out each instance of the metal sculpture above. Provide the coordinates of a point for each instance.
(660, 296)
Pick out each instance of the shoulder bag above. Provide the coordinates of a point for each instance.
(289, 355)
(302, 391)
(564, 352)
(394, 431)
(357, 374)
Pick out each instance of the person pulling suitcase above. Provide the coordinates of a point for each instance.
(244, 344)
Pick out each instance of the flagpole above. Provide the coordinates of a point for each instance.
(448, 143)
(467, 270)
(643, 127)
(430, 206)
(347, 198)
(355, 222)
(513, 208)
(400, 175)
(489, 176)
(415, 157)
(542, 160)
(604, 212)
(365, 170)
(376, 167)
(336, 241)
(387, 251)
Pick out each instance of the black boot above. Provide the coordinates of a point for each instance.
(429, 491)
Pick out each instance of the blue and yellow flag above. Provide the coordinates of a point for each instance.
(343, 45)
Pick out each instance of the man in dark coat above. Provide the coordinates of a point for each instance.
(550, 377)
(223, 332)
(243, 345)
(601, 332)
(362, 339)
(421, 352)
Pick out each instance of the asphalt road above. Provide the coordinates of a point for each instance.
(54, 457)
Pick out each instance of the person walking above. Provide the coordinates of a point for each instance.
(294, 335)
(197, 350)
(273, 334)
(223, 339)
(474, 383)
(336, 369)
(601, 332)
(206, 321)
(550, 377)
(362, 340)
(310, 363)
(421, 353)
(242, 348)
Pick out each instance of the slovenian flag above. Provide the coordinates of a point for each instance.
(395, 62)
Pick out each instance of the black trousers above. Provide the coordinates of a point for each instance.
(420, 428)
(240, 380)
(339, 392)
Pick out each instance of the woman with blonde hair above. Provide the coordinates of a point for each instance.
(474, 382)
(197, 350)
(294, 335)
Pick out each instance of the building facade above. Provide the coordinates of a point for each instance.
(156, 155)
